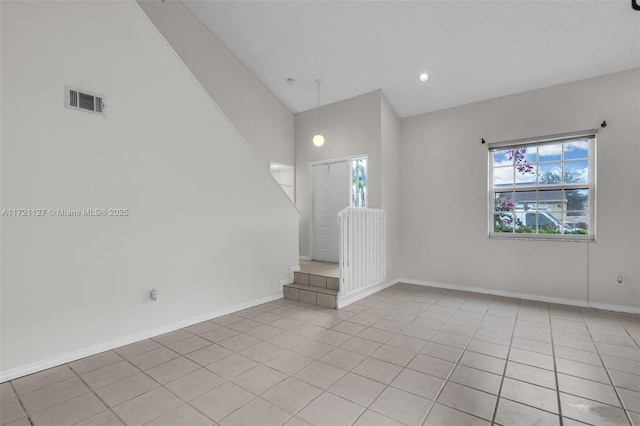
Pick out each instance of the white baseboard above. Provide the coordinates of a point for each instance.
(347, 300)
(55, 361)
(616, 308)
(305, 258)
(525, 296)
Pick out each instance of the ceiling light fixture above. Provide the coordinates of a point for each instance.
(318, 139)
(423, 77)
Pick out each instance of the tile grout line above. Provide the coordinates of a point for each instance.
(232, 351)
(144, 372)
(163, 386)
(606, 369)
(456, 363)
(256, 397)
(393, 303)
(323, 391)
(79, 377)
(531, 383)
(626, 331)
(24, 410)
(54, 384)
(398, 373)
(506, 363)
(109, 408)
(93, 391)
(231, 380)
(365, 358)
(432, 305)
(288, 376)
(555, 366)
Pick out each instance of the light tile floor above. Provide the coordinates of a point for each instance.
(405, 355)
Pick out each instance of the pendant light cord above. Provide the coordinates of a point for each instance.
(318, 108)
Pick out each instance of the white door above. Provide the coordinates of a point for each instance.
(330, 195)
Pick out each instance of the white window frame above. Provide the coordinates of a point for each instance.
(591, 135)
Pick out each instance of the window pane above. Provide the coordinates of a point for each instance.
(525, 210)
(551, 201)
(550, 173)
(503, 201)
(500, 158)
(548, 223)
(577, 223)
(530, 154)
(523, 227)
(576, 171)
(526, 200)
(503, 212)
(359, 182)
(576, 199)
(523, 157)
(551, 152)
(503, 222)
(576, 149)
(526, 174)
(550, 208)
(503, 176)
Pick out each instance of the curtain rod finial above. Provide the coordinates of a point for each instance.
(483, 141)
(604, 124)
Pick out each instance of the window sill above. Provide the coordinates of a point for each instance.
(549, 237)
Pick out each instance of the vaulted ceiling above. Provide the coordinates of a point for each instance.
(472, 50)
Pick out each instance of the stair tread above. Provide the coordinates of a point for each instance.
(312, 288)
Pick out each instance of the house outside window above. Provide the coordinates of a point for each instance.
(543, 188)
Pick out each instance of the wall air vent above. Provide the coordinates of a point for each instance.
(83, 100)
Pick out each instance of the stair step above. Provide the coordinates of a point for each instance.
(315, 295)
(319, 281)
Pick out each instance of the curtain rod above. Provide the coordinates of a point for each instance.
(547, 138)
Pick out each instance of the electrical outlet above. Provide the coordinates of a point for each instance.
(153, 294)
(619, 279)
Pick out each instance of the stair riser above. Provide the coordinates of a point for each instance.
(301, 278)
(310, 296)
(319, 281)
(318, 288)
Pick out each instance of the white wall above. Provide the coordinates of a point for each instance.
(390, 171)
(258, 115)
(350, 127)
(443, 192)
(164, 151)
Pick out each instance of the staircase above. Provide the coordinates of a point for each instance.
(361, 267)
(316, 283)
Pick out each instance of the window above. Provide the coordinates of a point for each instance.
(359, 182)
(543, 188)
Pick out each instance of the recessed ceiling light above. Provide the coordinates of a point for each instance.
(423, 77)
(291, 81)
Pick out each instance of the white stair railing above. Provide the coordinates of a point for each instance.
(362, 249)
